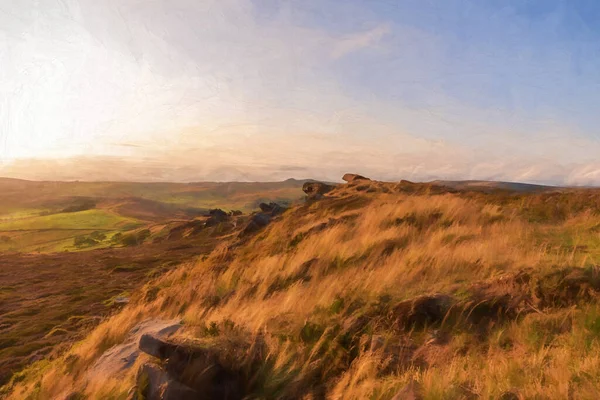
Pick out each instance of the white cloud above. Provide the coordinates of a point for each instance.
(207, 87)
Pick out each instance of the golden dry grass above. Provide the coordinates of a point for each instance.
(299, 285)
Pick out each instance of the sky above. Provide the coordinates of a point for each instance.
(261, 90)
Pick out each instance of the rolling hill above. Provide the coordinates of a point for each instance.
(67, 249)
(376, 290)
(46, 217)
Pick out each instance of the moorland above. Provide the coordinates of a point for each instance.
(364, 290)
(72, 252)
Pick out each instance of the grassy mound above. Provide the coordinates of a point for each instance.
(380, 289)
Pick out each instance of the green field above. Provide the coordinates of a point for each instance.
(89, 219)
(33, 215)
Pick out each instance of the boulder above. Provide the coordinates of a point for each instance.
(216, 217)
(188, 371)
(314, 189)
(217, 212)
(120, 358)
(261, 219)
(264, 207)
(154, 383)
(271, 208)
(152, 345)
(277, 209)
(354, 177)
(257, 222)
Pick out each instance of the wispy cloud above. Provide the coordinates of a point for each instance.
(218, 87)
(360, 40)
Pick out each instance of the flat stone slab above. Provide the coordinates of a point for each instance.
(121, 357)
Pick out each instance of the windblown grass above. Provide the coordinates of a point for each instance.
(327, 279)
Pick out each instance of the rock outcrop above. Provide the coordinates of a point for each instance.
(120, 358)
(354, 177)
(185, 372)
(272, 208)
(263, 218)
(154, 383)
(216, 217)
(316, 190)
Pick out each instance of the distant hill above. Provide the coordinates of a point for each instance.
(47, 216)
(18, 194)
(491, 185)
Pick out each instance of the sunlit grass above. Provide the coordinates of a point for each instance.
(307, 278)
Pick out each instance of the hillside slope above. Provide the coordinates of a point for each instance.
(50, 217)
(379, 291)
(17, 194)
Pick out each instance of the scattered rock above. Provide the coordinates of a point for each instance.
(235, 213)
(316, 190)
(263, 218)
(250, 228)
(264, 207)
(354, 177)
(272, 208)
(217, 212)
(216, 217)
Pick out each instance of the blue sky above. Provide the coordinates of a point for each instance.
(530, 59)
(267, 89)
